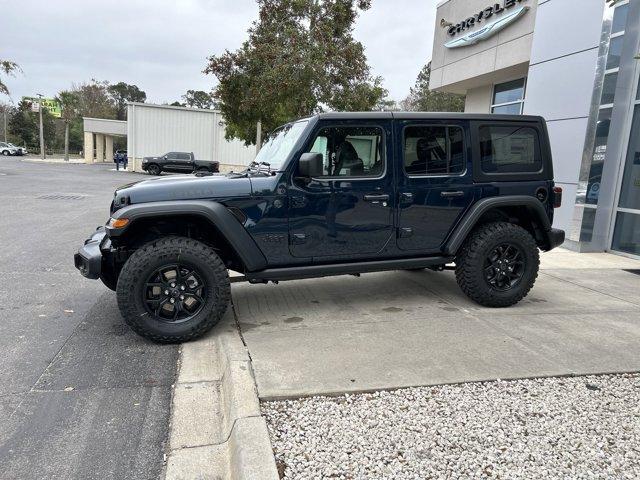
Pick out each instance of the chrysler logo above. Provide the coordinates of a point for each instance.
(490, 28)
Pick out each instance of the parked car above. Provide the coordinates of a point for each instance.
(177, 162)
(335, 194)
(7, 149)
(21, 150)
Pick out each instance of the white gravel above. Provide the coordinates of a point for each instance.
(582, 427)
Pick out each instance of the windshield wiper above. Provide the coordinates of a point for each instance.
(254, 168)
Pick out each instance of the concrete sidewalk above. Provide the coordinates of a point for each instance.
(398, 329)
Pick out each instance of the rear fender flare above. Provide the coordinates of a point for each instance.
(470, 220)
(216, 213)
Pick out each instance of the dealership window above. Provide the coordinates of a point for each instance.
(508, 97)
(350, 151)
(509, 149)
(433, 150)
(607, 97)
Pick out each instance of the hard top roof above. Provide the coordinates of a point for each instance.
(423, 116)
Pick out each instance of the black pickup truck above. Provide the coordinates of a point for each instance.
(178, 162)
(335, 194)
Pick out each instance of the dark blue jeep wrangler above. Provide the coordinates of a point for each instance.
(334, 194)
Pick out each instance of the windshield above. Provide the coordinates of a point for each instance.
(279, 145)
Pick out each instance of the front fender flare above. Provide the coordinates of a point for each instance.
(216, 213)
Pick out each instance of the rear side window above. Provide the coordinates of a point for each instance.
(509, 149)
(433, 150)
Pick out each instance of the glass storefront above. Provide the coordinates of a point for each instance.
(626, 234)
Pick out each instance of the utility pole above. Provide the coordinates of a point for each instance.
(4, 115)
(42, 154)
(258, 136)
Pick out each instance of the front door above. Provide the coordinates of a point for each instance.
(348, 211)
(434, 182)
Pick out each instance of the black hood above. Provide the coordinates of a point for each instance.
(188, 187)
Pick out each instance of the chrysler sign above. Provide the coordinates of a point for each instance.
(493, 19)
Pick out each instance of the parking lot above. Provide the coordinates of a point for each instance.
(81, 396)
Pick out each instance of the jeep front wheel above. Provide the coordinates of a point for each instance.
(173, 290)
(498, 264)
(153, 169)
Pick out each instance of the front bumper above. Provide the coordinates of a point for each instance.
(89, 258)
(555, 238)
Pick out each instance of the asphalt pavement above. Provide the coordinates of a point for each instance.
(81, 396)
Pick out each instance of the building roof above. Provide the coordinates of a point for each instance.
(173, 107)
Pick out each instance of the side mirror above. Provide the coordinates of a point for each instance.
(310, 165)
(165, 157)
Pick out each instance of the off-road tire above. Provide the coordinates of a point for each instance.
(153, 255)
(154, 169)
(470, 264)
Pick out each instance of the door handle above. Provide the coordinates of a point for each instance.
(457, 193)
(376, 198)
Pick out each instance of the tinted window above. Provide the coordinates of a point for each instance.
(184, 156)
(509, 149)
(615, 50)
(172, 155)
(509, 92)
(619, 18)
(512, 109)
(609, 88)
(350, 151)
(433, 150)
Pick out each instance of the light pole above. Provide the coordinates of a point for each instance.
(42, 154)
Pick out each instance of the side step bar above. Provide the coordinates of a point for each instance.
(315, 271)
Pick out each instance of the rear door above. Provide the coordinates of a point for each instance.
(435, 184)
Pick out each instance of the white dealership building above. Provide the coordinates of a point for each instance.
(575, 62)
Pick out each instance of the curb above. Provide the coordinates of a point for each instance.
(217, 431)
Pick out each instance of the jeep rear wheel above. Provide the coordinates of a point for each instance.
(173, 290)
(498, 264)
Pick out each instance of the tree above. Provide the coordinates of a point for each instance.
(94, 100)
(70, 102)
(300, 58)
(421, 99)
(198, 99)
(9, 68)
(24, 125)
(121, 93)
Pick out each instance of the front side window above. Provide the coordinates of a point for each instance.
(350, 151)
(433, 150)
(508, 97)
(509, 149)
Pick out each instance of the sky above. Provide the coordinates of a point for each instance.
(162, 45)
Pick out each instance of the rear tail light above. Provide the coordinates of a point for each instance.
(557, 197)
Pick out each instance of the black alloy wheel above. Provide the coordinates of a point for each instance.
(174, 293)
(173, 289)
(504, 266)
(153, 170)
(498, 264)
